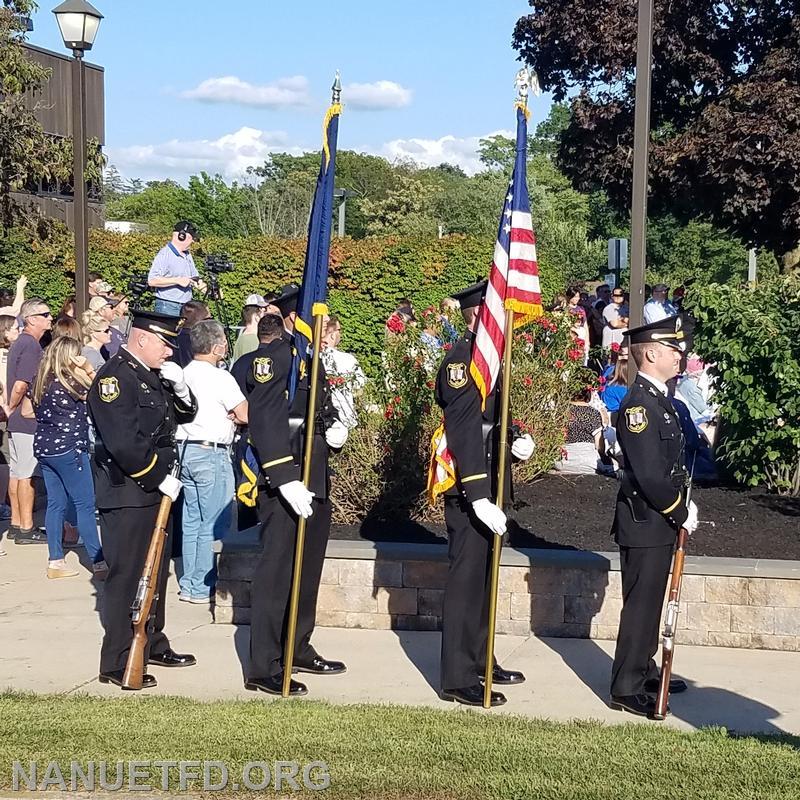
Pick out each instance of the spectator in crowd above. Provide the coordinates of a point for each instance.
(617, 386)
(105, 307)
(658, 306)
(65, 326)
(580, 326)
(11, 305)
(345, 376)
(97, 286)
(119, 320)
(602, 297)
(68, 308)
(23, 364)
(255, 306)
(193, 312)
(615, 316)
(9, 331)
(173, 272)
(96, 336)
(61, 444)
(449, 310)
(581, 452)
(206, 469)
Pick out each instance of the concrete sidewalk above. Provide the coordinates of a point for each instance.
(50, 633)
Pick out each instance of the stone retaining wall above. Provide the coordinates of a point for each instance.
(562, 593)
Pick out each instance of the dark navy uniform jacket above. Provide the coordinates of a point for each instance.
(277, 431)
(471, 432)
(135, 414)
(651, 504)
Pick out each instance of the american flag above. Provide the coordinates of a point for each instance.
(514, 276)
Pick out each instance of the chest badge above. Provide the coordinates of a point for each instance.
(457, 375)
(262, 369)
(109, 389)
(636, 419)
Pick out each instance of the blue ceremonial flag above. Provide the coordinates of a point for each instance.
(314, 288)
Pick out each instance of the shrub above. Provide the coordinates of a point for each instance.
(751, 337)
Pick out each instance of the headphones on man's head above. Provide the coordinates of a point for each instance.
(184, 229)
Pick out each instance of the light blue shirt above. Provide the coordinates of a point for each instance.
(171, 263)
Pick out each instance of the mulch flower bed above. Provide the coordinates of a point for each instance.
(576, 512)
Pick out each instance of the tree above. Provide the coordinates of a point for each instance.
(113, 184)
(24, 147)
(725, 141)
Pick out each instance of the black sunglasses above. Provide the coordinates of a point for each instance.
(41, 314)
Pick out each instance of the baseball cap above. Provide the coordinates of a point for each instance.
(255, 300)
(96, 303)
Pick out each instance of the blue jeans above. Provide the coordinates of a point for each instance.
(69, 478)
(208, 504)
(167, 307)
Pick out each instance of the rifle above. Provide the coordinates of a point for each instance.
(142, 608)
(671, 615)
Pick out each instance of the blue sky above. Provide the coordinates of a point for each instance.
(217, 86)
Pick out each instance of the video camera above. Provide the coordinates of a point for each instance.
(137, 285)
(218, 263)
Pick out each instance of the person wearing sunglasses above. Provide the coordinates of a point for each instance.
(23, 364)
(96, 336)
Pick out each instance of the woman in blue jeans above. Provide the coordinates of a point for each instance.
(61, 444)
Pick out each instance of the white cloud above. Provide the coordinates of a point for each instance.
(462, 151)
(377, 96)
(230, 155)
(282, 93)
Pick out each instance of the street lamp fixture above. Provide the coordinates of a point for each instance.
(78, 22)
(344, 194)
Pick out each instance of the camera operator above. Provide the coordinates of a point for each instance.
(173, 272)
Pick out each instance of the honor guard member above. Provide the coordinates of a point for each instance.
(136, 401)
(473, 519)
(277, 434)
(651, 508)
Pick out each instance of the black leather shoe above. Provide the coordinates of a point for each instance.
(320, 666)
(30, 536)
(676, 686)
(169, 658)
(274, 685)
(115, 677)
(472, 696)
(505, 677)
(642, 705)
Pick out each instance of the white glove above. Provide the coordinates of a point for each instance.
(692, 520)
(298, 497)
(170, 487)
(171, 372)
(490, 515)
(336, 435)
(522, 447)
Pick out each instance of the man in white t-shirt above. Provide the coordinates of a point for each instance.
(615, 315)
(206, 468)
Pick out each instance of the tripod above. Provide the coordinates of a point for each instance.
(213, 292)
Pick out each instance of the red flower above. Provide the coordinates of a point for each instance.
(602, 381)
(615, 348)
(395, 324)
(574, 355)
(447, 347)
(430, 384)
(559, 363)
(398, 399)
(527, 380)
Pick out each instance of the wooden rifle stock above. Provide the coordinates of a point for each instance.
(146, 596)
(670, 623)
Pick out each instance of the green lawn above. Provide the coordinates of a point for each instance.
(398, 752)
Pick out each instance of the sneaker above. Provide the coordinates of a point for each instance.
(12, 532)
(198, 601)
(30, 536)
(59, 569)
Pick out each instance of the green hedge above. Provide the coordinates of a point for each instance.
(367, 276)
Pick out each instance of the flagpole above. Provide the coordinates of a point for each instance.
(319, 312)
(523, 83)
(497, 541)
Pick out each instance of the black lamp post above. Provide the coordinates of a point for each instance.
(78, 22)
